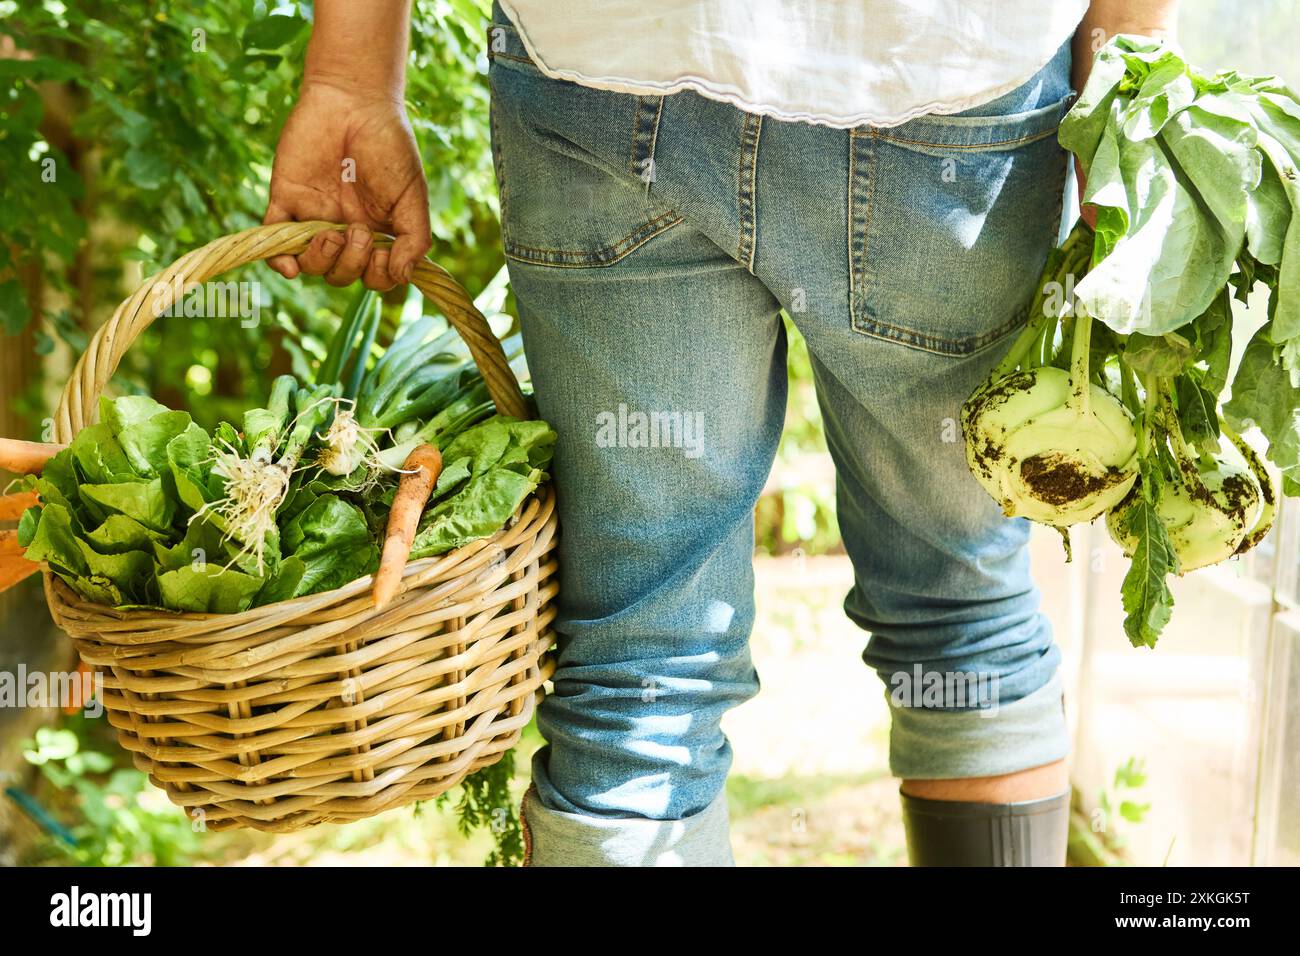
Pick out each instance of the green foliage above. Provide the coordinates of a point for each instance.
(139, 130)
(1099, 837)
(121, 819)
(801, 512)
(486, 801)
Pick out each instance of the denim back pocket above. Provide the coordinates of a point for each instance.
(951, 218)
(574, 164)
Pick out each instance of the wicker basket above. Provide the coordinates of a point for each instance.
(321, 708)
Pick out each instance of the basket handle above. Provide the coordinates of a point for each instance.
(79, 403)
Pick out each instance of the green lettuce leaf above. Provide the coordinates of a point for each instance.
(145, 501)
(493, 467)
(208, 589)
(58, 481)
(54, 540)
(100, 458)
(120, 533)
(331, 539)
(121, 413)
(479, 510)
(131, 572)
(145, 443)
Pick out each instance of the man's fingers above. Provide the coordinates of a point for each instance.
(376, 276)
(287, 266)
(353, 259)
(408, 249)
(321, 254)
(1086, 212)
(411, 226)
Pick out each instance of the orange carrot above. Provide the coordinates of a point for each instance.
(419, 474)
(26, 457)
(13, 506)
(9, 543)
(15, 568)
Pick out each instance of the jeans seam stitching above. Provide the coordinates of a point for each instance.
(935, 343)
(858, 260)
(497, 55)
(1027, 138)
(523, 825)
(645, 137)
(494, 131)
(746, 198)
(602, 257)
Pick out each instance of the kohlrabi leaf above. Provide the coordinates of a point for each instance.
(1163, 355)
(1148, 602)
(1214, 341)
(1171, 262)
(1268, 213)
(1166, 90)
(1216, 153)
(1198, 417)
(1286, 296)
(1266, 394)
(1083, 127)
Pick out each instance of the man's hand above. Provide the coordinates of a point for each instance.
(1105, 19)
(347, 152)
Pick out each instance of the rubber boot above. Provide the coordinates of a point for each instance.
(955, 833)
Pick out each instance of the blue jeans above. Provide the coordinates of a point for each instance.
(652, 244)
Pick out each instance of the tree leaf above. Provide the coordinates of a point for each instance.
(14, 312)
(146, 167)
(273, 32)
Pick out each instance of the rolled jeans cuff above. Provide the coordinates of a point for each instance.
(557, 838)
(933, 744)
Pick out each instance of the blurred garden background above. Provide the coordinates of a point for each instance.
(132, 131)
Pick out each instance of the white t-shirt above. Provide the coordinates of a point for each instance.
(839, 63)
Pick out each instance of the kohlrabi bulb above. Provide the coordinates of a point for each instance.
(1208, 513)
(1267, 496)
(1045, 455)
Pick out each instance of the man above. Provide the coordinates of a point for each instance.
(672, 176)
